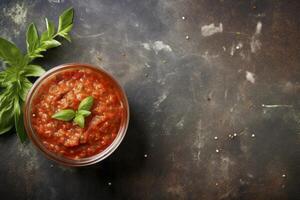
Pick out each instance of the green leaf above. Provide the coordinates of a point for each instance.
(44, 36)
(86, 103)
(67, 37)
(50, 44)
(33, 70)
(2, 78)
(50, 28)
(65, 33)
(6, 110)
(25, 87)
(36, 46)
(65, 19)
(36, 55)
(64, 115)
(79, 120)
(32, 39)
(9, 53)
(65, 23)
(11, 74)
(19, 123)
(7, 128)
(84, 113)
(50, 32)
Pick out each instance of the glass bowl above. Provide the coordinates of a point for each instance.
(59, 158)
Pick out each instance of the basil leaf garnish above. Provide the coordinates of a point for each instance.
(79, 119)
(64, 115)
(84, 113)
(78, 116)
(86, 104)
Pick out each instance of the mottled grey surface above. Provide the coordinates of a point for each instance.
(236, 72)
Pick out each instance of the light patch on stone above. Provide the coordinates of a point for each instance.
(157, 46)
(211, 29)
(160, 45)
(255, 43)
(239, 45)
(199, 141)
(258, 28)
(56, 1)
(160, 99)
(180, 123)
(146, 46)
(250, 77)
(225, 165)
(17, 13)
(232, 49)
(209, 57)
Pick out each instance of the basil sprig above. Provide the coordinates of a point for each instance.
(14, 83)
(77, 116)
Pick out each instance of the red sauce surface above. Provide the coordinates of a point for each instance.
(65, 90)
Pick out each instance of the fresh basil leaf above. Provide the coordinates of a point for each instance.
(2, 78)
(47, 41)
(64, 115)
(5, 129)
(25, 86)
(49, 33)
(19, 123)
(33, 70)
(84, 113)
(2, 75)
(65, 23)
(50, 44)
(36, 54)
(44, 36)
(79, 120)
(11, 74)
(9, 53)
(65, 19)
(39, 50)
(86, 103)
(50, 28)
(6, 110)
(32, 39)
(65, 33)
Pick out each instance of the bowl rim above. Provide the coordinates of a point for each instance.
(60, 159)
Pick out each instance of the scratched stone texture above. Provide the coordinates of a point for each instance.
(214, 92)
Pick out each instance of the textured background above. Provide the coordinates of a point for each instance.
(237, 73)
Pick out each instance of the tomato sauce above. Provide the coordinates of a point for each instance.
(65, 90)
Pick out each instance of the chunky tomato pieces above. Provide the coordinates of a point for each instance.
(65, 90)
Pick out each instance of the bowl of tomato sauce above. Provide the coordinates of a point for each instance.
(65, 87)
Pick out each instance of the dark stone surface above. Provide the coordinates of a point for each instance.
(182, 94)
